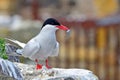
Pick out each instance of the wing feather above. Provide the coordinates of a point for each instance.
(31, 49)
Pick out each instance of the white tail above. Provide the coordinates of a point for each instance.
(22, 45)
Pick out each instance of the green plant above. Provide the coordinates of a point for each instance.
(2, 49)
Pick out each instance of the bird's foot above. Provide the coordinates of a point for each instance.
(48, 67)
(38, 66)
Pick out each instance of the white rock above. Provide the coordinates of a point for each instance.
(30, 73)
(8, 69)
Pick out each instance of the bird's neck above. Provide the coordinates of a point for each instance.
(48, 34)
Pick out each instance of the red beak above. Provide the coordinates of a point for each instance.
(63, 27)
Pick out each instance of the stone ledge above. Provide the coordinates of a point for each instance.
(20, 71)
(30, 73)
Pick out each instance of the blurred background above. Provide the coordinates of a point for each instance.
(94, 42)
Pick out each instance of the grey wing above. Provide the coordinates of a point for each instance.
(56, 50)
(31, 48)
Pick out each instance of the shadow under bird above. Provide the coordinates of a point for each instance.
(44, 44)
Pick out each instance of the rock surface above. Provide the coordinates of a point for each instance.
(19, 71)
(30, 73)
(9, 71)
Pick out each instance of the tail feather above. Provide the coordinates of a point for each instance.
(22, 45)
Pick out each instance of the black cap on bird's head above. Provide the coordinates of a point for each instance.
(52, 21)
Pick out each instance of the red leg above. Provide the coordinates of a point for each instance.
(46, 61)
(38, 66)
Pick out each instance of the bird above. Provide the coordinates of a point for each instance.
(44, 44)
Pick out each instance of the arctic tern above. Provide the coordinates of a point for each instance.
(44, 44)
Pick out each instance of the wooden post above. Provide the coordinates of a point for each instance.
(35, 9)
(101, 51)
